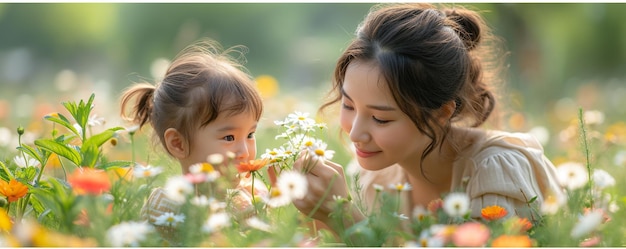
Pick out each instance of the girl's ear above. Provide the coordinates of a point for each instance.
(446, 111)
(175, 143)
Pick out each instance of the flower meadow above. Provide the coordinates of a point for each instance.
(69, 187)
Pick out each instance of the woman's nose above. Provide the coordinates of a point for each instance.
(358, 131)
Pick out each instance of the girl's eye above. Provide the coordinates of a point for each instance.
(380, 121)
(347, 107)
(251, 135)
(229, 138)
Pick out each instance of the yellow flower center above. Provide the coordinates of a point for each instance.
(319, 152)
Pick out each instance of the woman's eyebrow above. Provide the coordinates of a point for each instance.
(375, 107)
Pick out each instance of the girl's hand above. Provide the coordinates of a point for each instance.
(326, 179)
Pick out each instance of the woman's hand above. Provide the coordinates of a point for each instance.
(326, 179)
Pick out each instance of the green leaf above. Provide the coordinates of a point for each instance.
(40, 155)
(60, 149)
(102, 137)
(62, 120)
(114, 164)
(90, 155)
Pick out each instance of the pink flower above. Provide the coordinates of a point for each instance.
(471, 234)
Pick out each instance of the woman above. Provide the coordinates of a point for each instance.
(414, 90)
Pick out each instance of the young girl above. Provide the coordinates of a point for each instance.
(206, 104)
(413, 91)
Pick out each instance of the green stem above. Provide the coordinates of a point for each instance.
(586, 150)
(252, 193)
(132, 149)
(326, 192)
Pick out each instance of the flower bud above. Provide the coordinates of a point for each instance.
(20, 130)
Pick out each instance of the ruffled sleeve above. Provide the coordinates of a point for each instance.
(505, 178)
(509, 170)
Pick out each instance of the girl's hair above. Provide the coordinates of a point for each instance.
(202, 83)
(428, 57)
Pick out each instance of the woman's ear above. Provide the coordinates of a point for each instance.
(175, 143)
(446, 111)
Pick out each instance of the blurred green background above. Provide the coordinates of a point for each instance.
(562, 56)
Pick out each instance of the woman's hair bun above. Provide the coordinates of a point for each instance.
(469, 25)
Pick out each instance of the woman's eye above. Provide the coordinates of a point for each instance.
(229, 138)
(251, 135)
(347, 107)
(380, 121)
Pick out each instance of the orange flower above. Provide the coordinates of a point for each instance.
(522, 224)
(13, 190)
(435, 205)
(493, 212)
(89, 181)
(251, 166)
(512, 241)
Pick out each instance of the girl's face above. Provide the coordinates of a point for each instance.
(381, 133)
(226, 134)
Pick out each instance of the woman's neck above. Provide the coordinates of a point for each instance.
(433, 175)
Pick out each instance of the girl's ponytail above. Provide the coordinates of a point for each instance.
(141, 111)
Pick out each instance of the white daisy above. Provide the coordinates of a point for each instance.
(215, 159)
(257, 223)
(401, 187)
(587, 223)
(572, 175)
(293, 184)
(378, 187)
(144, 171)
(216, 222)
(130, 233)
(277, 198)
(131, 130)
(319, 152)
(206, 169)
(25, 161)
(94, 120)
(602, 179)
(456, 204)
(169, 219)
(420, 213)
(552, 203)
(201, 201)
(177, 188)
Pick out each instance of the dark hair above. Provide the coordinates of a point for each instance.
(428, 57)
(202, 83)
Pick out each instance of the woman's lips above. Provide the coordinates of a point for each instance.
(365, 154)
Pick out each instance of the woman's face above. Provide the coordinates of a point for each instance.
(380, 132)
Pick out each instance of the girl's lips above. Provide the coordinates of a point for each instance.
(365, 154)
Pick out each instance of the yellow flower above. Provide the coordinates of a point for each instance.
(493, 212)
(54, 161)
(267, 85)
(512, 241)
(13, 190)
(5, 221)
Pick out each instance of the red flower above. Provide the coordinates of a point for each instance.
(435, 205)
(89, 181)
(13, 190)
(493, 212)
(251, 166)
